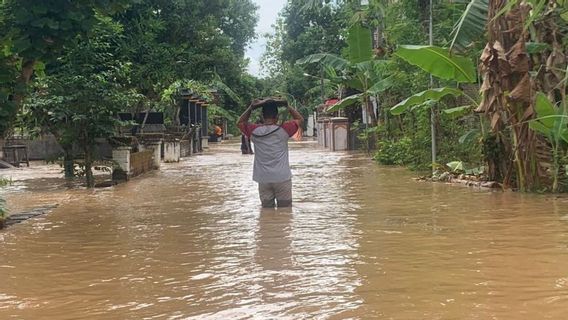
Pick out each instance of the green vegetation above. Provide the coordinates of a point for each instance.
(68, 67)
(411, 74)
(3, 209)
(494, 120)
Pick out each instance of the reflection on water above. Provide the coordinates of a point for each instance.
(191, 242)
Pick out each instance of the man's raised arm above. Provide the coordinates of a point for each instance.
(298, 118)
(245, 116)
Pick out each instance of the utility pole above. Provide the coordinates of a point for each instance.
(322, 85)
(433, 109)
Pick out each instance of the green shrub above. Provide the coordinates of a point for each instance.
(395, 152)
(3, 209)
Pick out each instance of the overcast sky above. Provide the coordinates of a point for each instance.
(267, 14)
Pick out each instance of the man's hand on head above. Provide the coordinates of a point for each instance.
(255, 104)
(258, 103)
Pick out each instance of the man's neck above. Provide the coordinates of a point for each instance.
(269, 122)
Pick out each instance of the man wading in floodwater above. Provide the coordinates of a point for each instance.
(271, 164)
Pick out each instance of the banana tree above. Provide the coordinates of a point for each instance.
(333, 84)
(359, 71)
(519, 33)
(439, 63)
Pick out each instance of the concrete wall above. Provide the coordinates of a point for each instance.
(156, 147)
(44, 148)
(141, 162)
(47, 148)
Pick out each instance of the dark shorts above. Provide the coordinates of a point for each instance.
(275, 193)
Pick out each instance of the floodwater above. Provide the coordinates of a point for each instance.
(362, 242)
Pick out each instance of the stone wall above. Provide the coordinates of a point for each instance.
(141, 162)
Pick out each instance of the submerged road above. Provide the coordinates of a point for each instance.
(361, 242)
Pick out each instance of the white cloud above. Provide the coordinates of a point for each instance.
(268, 13)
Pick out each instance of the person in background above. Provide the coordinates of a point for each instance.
(246, 147)
(218, 131)
(271, 168)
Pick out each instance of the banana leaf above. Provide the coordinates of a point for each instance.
(438, 62)
(471, 24)
(360, 41)
(326, 59)
(457, 111)
(420, 98)
(346, 102)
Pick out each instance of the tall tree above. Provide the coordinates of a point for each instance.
(36, 32)
(79, 100)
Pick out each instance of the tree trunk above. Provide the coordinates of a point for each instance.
(371, 111)
(88, 167)
(68, 162)
(508, 95)
(22, 82)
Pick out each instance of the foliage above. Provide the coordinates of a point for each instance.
(471, 25)
(423, 97)
(359, 44)
(438, 62)
(456, 166)
(33, 33)
(359, 72)
(39, 30)
(552, 123)
(3, 208)
(63, 102)
(183, 39)
(395, 152)
(302, 30)
(510, 79)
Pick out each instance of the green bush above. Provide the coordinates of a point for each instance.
(3, 210)
(395, 152)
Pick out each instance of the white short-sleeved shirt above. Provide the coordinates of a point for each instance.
(271, 158)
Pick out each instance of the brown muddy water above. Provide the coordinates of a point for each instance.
(362, 242)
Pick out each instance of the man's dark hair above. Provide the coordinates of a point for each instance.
(270, 111)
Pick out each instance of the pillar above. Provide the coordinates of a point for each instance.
(310, 127)
(156, 146)
(121, 155)
(339, 134)
(326, 133)
(172, 151)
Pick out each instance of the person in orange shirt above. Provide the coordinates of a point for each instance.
(218, 131)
